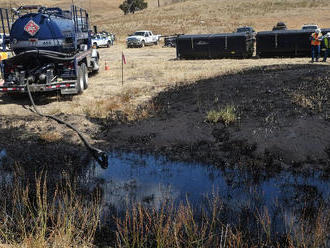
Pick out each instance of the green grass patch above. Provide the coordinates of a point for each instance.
(226, 115)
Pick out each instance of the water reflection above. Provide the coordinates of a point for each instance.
(155, 180)
(152, 181)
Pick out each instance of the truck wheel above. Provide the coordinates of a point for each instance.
(85, 75)
(95, 44)
(80, 80)
(108, 44)
(142, 43)
(156, 43)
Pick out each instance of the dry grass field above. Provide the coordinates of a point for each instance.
(203, 16)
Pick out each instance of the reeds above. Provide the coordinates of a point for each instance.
(174, 227)
(31, 218)
(186, 227)
(37, 216)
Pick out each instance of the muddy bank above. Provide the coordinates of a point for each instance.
(283, 120)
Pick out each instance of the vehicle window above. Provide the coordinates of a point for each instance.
(239, 30)
(309, 27)
(139, 33)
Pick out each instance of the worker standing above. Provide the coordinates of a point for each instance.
(326, 41)
(316, 39)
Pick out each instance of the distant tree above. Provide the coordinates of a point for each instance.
(130, 6)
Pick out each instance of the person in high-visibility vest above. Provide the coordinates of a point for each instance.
(316, 39)
(326, 42)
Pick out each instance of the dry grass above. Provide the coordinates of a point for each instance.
(174, 227)
(314, 97)
(186, 227)
(31, 219)
(50, 136)
(302, 100)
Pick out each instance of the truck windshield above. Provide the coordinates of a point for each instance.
(309, 27)
(139, 33)
(239, 30)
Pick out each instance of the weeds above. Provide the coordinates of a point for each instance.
(50, 136)
(30, 218)
(226, 115)
(174, 227)
(186, 227)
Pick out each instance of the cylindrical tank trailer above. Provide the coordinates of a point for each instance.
(52, 50)
(50, 29)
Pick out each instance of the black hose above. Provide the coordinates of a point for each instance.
(100, 156)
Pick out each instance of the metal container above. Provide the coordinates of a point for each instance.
(285, 43)
(213, 46)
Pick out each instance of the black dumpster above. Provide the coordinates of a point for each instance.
(213, 46)
(285, 43)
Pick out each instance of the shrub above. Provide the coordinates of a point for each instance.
(130, 6)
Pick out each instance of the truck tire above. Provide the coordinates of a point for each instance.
(156, 43)
(85, 75)
(142, 43)
(108, 44)
(80, 81)
(95, 44)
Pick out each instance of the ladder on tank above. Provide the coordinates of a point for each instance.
(81, 25)
(7, 18)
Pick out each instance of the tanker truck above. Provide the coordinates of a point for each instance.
(50, 50)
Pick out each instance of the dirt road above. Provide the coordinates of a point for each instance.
(282, 111)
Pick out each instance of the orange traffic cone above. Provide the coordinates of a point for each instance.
(106, 66)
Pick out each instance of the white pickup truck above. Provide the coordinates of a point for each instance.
(142, 38)
(99, 40)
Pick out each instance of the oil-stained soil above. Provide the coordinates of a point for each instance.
(283, 120)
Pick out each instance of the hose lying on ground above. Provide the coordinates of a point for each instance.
(100, 156)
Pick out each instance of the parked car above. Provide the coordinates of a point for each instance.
(246, 29)
(2, 39)
(100, 40)
(142, 38)
(309, 27)
(170, 41)
(280, 26)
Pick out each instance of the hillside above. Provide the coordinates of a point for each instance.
(203, 16)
